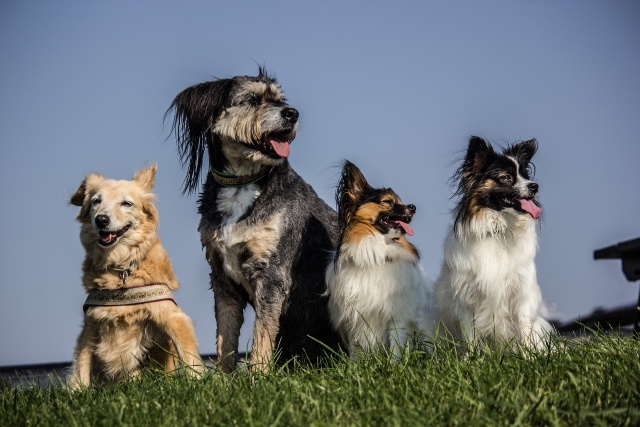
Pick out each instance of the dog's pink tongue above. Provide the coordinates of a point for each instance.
(281, 148)
(406, 227)
(107, 237)
(530, 207)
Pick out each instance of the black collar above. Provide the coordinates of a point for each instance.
(228, 180)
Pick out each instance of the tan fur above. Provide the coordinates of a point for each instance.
(234, 122)
(116, 342)
(362, 224)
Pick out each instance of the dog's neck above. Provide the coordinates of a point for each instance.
(233, 165)
(502, 225)
(228, 180)
(124, 272)
(115, 266)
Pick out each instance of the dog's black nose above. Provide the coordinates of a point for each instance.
(533, 187)
(102, 221)
(412, 208)
(290, 114)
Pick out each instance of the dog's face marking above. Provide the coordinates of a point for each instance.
(501, 182)
(116, 210)
(383, 210)
(375, 208)
(364, 211)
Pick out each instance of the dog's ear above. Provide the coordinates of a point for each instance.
(352, 183)
(146, 177)
(81, 194)
(85, 187)
(523, 151)
(78, 197)
(195, 111)
(478, 153)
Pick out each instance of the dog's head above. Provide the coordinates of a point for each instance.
(376, 208)
(245, 122)
(116, 212)
(500, 181)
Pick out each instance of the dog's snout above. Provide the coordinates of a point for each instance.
(102, 221)
(412, 208)
(290, 114)
(533, 187)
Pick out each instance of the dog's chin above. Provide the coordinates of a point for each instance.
(522, 206)
(107, 238)
(275, 145)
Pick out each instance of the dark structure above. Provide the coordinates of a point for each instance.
(629, 253)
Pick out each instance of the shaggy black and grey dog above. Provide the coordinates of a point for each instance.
(267, 235)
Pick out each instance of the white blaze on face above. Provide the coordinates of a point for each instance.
(522, 187)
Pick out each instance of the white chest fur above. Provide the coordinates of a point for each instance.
(376, 291)
(235, 236)
(488, 283)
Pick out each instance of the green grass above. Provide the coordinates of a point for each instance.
(592, 382)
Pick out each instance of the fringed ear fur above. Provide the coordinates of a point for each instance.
(523, 151)
(146, 177)
(195, 111)
(78, 197)
(349, 191)
(477, 154)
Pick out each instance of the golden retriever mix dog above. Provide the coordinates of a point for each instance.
(130, 317)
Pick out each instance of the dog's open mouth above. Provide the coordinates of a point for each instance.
(277, 144)
(525, 206)
(400, 223)
(109, 237)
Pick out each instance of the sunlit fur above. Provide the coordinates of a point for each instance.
(377, 289)
(268, 241)
(117, 341)
(487, 289)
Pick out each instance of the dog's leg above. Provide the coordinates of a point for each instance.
(81, 374)
(229, 308)
(268, 307)
(179, 329)
(535, 333)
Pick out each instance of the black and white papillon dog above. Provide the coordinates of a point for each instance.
(487, 289)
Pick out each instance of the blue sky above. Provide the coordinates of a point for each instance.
(395, 87)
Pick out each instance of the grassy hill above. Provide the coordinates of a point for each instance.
(590, 382)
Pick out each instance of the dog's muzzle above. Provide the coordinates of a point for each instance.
(106, 236)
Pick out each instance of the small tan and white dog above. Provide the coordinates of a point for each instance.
(130, 317)
(378, 293)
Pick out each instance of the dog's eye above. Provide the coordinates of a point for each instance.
(254, 100)
(505, 179)
(388, 202)
(96, 201)
(126, 204)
